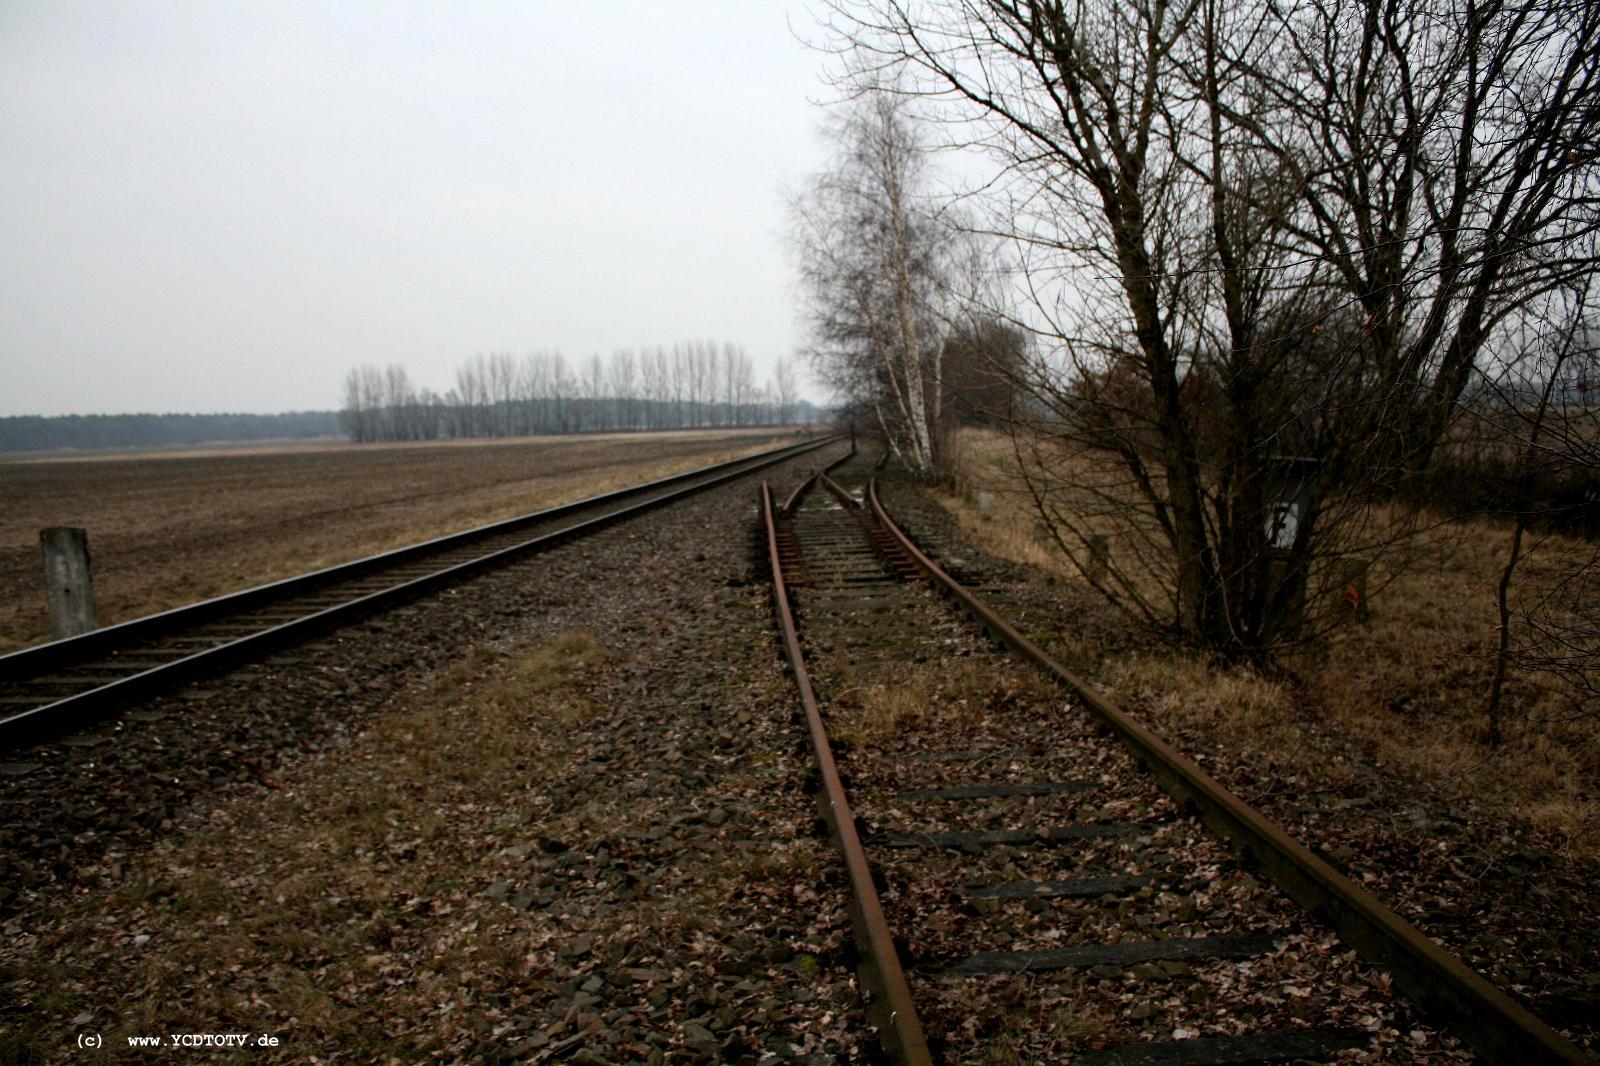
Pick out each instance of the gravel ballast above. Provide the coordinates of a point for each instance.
(557, 812)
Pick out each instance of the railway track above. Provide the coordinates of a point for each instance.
(1048, 879)
(54, 688)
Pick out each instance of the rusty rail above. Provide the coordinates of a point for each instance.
(800, 490)
(891, 1004)
(820, 477)
(1494, 1025)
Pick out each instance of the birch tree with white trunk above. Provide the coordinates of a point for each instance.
(872, 250)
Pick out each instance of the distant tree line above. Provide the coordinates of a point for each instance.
(39, 433)
(695, 384)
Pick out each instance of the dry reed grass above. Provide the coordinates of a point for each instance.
(1404, 692)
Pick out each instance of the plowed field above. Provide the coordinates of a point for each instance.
(168, 528)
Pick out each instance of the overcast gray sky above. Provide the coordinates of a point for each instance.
(210, 206)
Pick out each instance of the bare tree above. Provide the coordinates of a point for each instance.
(686, 387)
(472, 389)
(703, 381)
(1265, 247)
(353, 413)
(498, 395)
(621, 378)
(562, 389)
(1534, 419)
(533, 390)
(984, 356)
(500, 374)
(739, 376)
(786, 390)
(1446, 157)
(872, 250)
(653, 367)
(381, 405)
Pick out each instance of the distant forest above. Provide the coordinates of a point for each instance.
(29, 433)
(699, 383)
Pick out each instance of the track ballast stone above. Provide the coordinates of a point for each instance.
(558, 811)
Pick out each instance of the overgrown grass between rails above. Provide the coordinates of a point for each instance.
(300, 913)
(875, 709)
(1402, 695)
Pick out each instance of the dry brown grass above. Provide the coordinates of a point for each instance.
(169, 528)
(873, 710)
(882, 711)
(1406, 691)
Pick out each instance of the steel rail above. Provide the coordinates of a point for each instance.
(806, 485)
(1494, 1025)
(840, 493)
(891, 1005)
(52, 718)
(801, 489)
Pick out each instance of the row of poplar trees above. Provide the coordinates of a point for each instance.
(692, 384)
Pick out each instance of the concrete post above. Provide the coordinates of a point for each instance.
(1099, 558)
(67, 586)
